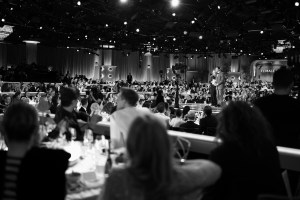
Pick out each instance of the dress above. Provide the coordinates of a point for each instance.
(245, 175)
(41, 175)
(187, 183)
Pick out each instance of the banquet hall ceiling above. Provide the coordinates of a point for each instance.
(206, 26)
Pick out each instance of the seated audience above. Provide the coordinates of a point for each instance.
(248, 157)
(55, 102)
(84, 104)
(208, 124)
(150, 171)
(177, 121)
(26, 171)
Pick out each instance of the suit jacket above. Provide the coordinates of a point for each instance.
(41, 175)
(81, 109)
(208, 125)
(220, 80)
(189, 126)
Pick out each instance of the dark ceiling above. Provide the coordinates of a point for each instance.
(225, 25)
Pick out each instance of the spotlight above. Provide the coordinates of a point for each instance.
(193, 21)
(174, 39)
(68, 47)
(68, 37)
(123, 1)
(41, 27)
(99, 38)
(185, 32)
(200, 37)
(219, 7)
(85, 36)
(79, 3)
(3, 20)
(175, 3)
(297, 3)
(204, 57)
(261, 32)
(77, 50)
(125, 23)
(11, 8)
(137, 30)
(173, 14)
(154, 38)
(106, 25)
(262, 54)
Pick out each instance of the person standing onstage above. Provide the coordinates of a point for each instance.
(129, 79)
(212, 89)
(121, 119)
(280, 110)
(26, 171)
(247, 155)
(220, 84)
(151, 173)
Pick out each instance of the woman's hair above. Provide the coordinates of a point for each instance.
(185, 110)
(241, 124)
(20, 122)
(108, 107)
(150, 153)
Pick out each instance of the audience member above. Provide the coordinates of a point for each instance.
(27, 172)
(84, 104)
(121, 119)
(280, 110)
(177, 121)
(190, 125)
(161, 113)
(208, 124)
(246, 154)
(151, 173)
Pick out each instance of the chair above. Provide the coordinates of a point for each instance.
(287, 185)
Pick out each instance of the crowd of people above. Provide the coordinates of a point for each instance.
(244, 165)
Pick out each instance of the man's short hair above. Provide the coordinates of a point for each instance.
(20, 122)
(207, 110)
(67, 95)
(160, 107)
(84, 101)
(178, 113)
(130, 96)
(282, 78)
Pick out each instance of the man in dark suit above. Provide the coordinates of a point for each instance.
(220, 84)
(209, 123)
(129, 79)
(84, 104)
(190, 125)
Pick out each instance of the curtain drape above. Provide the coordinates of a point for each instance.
(63, 60)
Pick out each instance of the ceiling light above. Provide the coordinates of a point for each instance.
(85, 36)
(68, 47)
(297, 3)
(31, 41)
(123, 1)
(106, 25)
(261, 32)
(79, 3)
(185, 32)
(154, 38)
(173, 14)
(3, 20)
(41, 27)
(137, 30)
(90, 53)
(262, 54)
(125, 23)
(77, 50)
(175, 3)
(192, 21)
(174, 39)
(11, 8)
(78, 39)
(68, 37)
(204, 57)
(200, 37)
(219, 7)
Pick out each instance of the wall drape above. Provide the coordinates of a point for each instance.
(63, 60)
